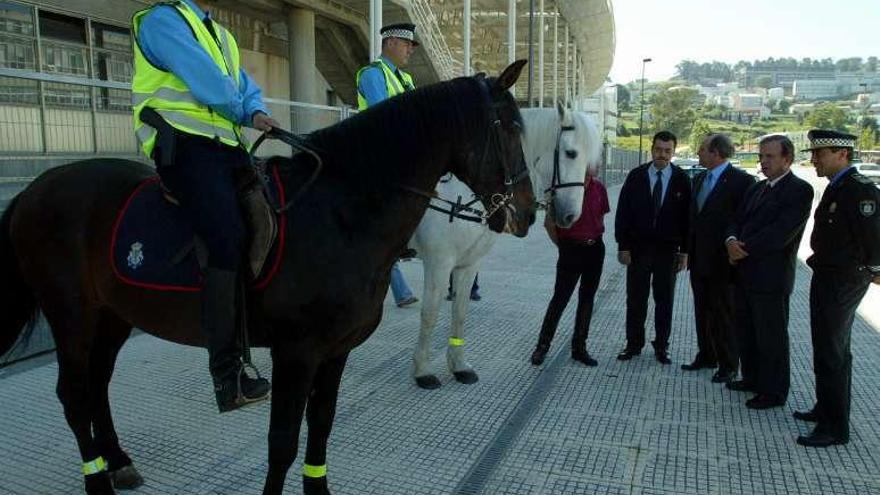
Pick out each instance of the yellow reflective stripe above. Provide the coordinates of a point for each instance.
(94, 467)
(310, 471)
(456, 342)
(173, 117)
(145, 133)
(224, 48)
(167, 94)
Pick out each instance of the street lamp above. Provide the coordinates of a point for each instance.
(642, 106)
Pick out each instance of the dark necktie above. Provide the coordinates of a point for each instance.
(657, 196)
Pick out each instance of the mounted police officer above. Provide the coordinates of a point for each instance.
(191, 98)
(379, 81)
(845, 260)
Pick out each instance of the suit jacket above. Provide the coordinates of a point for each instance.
(707, 253)
(633, 223)
(771, 223)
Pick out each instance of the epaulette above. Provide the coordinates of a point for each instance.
(861, 178)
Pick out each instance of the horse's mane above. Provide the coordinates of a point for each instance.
(586, 122)
(371, 147)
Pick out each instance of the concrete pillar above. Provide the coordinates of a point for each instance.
(541, 54)
(555, 57)
(574, 75)
(303, 87)
(466, 26)
(511, 36)
(565, 65)
(375, 26)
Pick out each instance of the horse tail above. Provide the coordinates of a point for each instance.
(18, 305)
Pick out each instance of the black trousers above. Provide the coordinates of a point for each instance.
(203, 181)
(713, 308)
(577, 261)
(834, 297)
(762, 338)
(653, 266)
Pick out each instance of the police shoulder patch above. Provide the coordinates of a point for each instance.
(867, 207)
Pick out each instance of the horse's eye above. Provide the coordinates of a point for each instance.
(571, 154)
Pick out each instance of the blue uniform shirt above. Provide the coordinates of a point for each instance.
(838, 176)
(372, 83)
(167, 42)
(665, 174)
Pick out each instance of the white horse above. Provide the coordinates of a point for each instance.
(558, 146)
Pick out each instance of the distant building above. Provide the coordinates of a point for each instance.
(775, 94)
(818, 89)
(782, 76)
(747, 102)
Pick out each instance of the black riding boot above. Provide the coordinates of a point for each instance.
(232, 386)
(548, 329)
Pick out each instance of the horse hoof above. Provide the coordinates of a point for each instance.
(315, 486)
(467, 377)
(99, 484)
(126, 478)
(428, 382)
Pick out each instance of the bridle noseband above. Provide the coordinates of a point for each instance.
(496, 201)
(556, 182)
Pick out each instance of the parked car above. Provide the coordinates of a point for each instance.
(692, 171)
(869, 170)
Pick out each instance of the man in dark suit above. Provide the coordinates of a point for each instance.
(845, 261)
(651, 228)
(762, 245)
(718, 193)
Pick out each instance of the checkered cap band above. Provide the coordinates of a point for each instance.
(405, 34)
(832, 143)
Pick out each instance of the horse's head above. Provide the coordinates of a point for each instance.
(577, 149)
(497, 170)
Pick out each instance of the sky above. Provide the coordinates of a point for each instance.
(728, 31)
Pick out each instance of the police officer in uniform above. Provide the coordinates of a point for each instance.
(190, 99)
(845, 260)
(379, 81)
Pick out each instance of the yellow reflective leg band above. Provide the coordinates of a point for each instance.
(310, 471)
(94, 467)
(456, 342)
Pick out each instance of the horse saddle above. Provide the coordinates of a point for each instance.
(154, 246)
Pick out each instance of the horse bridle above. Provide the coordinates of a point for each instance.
(556, 182)
(511, 178)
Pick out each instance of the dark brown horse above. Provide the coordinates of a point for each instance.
(346, 231)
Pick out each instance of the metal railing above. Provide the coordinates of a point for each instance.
(618, 162)
(433, 40)
(51, 114)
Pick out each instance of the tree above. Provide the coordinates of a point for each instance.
(867, 138)
(672, 110)
(782, 106)
(827, 116)
(623, 97)
(871, 65)
(699, 132)
(764, 82)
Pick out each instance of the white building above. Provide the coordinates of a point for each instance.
(814, 89)
(775, 94)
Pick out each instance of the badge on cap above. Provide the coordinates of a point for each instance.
(832, 208)
(867, 207)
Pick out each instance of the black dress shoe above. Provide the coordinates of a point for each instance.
(697, 365)
(627, 354)
(475, 296)
(821, 439)
(723, 376)
(584, 358)
(809, 416)
(740, 386)
(662, 357)
(763, 401)
(538, 355)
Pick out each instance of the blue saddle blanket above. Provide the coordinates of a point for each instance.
(153, 244)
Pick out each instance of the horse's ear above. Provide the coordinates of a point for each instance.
(565, 117)
(510, 75)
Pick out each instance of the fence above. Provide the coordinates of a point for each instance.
(618, 163)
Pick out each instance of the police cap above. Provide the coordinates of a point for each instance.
(823, 138)
(402, 30)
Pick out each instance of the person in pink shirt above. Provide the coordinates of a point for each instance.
(581, 256)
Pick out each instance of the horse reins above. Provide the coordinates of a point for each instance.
(297, 143)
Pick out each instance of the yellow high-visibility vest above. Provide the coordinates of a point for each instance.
(171, 97)
(393, 86)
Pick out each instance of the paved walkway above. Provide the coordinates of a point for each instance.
(622, 428)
